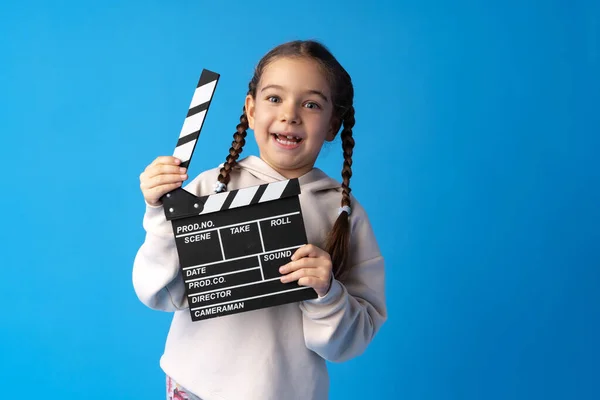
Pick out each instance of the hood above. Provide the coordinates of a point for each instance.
(313, 181)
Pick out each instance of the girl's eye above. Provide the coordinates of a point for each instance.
(273, 99)
(312, 104)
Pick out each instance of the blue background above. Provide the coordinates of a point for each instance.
(477, 158)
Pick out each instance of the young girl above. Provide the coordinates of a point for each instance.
(298, 98)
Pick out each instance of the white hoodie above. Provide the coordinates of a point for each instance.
(277, 353)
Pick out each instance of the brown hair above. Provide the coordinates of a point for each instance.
(343, 112)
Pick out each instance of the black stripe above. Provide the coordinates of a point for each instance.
(207, 76)
(291, 189)
(197, 109)
(258, 194)
(229, 200)
(185, 164)
(188, 138)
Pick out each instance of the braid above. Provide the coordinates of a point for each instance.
(236, 148)
(348, 147)
(338, 241)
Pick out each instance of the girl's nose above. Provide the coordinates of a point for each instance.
(290, 115)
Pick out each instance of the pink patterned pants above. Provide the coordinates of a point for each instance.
(178, 392)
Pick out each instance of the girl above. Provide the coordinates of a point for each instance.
(298, 98)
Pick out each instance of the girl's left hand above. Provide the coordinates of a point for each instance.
(310, 266)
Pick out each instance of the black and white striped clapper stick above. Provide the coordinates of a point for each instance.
(183, 205)
(192, 125)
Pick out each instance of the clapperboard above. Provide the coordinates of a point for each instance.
(231, 244)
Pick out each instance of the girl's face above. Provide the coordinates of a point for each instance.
(291, 115)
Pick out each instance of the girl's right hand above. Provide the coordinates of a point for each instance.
(160, 177)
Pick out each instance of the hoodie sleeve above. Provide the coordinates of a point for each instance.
(157, 279)
(340, 325)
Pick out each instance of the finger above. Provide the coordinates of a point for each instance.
(162, 180)
(169, 160)
(155, 170)
(296, 275)
(298, 264)
(308, 250)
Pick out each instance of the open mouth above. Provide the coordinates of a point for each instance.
(287, 140)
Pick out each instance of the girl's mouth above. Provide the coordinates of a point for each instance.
(287, 140)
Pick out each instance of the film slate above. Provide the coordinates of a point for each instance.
(231, 244)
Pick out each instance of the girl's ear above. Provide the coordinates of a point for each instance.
(249, 105)
(333, 129)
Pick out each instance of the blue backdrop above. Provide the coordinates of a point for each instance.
(477, 158)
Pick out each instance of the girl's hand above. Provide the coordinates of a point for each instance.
(160, 177)
(310, 266)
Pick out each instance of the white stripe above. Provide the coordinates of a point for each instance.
(220, 261)
(262, 274)
(236, 224)
(254, 297)
(233, 287)
(192, 124)
(223, 274)
(262, 242)
(240, 258)
(203, 94)
(221, 243)
(243, 197)
(184, 152)
(273, 191)
(214, 202)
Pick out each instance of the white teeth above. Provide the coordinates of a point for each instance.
(287, 143)
(292, 139)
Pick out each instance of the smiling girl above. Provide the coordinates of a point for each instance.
(299, 97)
